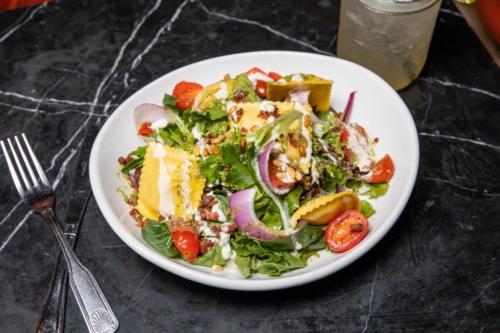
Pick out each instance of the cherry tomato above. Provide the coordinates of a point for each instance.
(187, 243)
(256, 70)
(275, 181)
(346, 231)
(185, 93)
(344, 135)
(273, 75)
(261, 88)
(145, 130)
(383, 170)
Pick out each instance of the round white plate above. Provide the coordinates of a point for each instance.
(377, 107)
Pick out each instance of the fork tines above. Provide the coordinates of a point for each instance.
(17, 168)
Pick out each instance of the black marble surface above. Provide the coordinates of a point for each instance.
(67, 65)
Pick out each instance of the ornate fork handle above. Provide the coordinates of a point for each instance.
(96, 311)
(51, 318)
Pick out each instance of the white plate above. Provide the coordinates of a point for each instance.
(377, 107)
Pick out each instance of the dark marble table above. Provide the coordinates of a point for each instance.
(67, 65)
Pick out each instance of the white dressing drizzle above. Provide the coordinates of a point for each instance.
(222, 93)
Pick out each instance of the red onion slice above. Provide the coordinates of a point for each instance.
(242, 206)
(348, 107)
(149, 113)
(264, 169)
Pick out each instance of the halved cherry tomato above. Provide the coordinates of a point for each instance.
(275, 181)
(346, 231)
(273, 75)
(187, 243)
(145, 130)
(383, 170)
(261, 88)
(185, 93)
(344, 135)
(256, 70)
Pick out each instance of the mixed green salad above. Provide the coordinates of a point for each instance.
(256, 170)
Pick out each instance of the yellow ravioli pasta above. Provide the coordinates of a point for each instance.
(170, 183)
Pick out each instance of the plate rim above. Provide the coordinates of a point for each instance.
(282, 282)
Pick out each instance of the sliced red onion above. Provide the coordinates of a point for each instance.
(348, 107)
(149, 113)
(264, 157)
(242, 206)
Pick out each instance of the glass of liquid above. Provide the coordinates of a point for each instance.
(390, 37)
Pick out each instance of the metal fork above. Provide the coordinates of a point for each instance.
(39, 196)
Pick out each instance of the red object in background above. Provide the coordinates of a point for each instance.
(489, 11)
(13, 4)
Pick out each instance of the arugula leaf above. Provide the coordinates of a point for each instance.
(158, 236)
(333, 176)
(211, 168)
(216, 111)
(242, 82)
(292, 198)
(212, 257)
(138, 160)
(239, 175)
(173, 136)
(169, 100)
(366, 208)
(376, 190)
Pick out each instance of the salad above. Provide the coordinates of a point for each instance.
(256, 171)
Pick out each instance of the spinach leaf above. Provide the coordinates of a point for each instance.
(223, 203)
(310, 235)
(138, 160)
(292, 198)
(158, 236)
(169, 100)
(212, 257)
(366, 208)
(254, 256)
(283, 262)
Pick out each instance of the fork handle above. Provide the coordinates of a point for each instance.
(51, 318)
(96, 310)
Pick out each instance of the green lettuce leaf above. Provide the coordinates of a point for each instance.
(376, 190)
(242, 82)
(366, 208)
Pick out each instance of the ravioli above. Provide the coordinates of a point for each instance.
(251, 113)
(170, 183)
